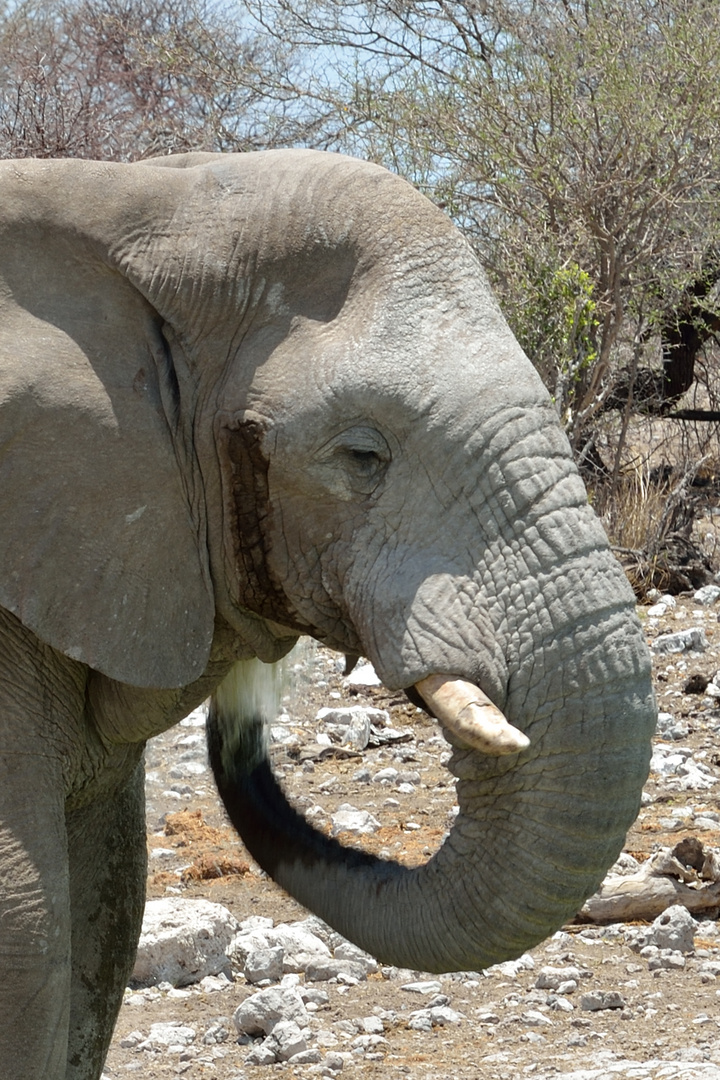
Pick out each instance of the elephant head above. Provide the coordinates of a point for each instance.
(274, 391)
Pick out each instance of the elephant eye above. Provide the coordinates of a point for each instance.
(360, 455)
(365, 461)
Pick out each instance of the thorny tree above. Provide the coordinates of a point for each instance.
(575, 141)
(125, 79)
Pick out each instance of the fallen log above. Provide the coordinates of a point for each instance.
(688, 874)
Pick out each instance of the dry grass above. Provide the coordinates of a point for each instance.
(659, 521)
(633, 512)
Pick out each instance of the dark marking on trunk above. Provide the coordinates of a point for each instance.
(271, 829)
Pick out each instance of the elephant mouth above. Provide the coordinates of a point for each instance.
(470, 716)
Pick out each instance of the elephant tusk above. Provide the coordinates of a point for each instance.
(468, 713)
(350, 663)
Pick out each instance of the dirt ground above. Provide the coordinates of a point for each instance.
(507, 1029)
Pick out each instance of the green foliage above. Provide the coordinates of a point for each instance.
(556, 322)
(574, 141)
(583, 127)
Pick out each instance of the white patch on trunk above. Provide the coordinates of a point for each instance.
(249, 699)
(252, 690)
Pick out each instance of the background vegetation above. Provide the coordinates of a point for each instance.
(575, 142)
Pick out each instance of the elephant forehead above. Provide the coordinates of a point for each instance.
(392, 362)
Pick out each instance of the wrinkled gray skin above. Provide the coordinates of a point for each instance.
(242, 399)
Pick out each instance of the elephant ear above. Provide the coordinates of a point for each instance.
(102, 538)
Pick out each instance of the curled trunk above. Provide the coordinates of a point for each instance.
(534, 836)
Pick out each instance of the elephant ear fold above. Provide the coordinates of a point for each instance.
(102, 534)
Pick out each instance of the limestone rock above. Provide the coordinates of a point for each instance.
(182, 941)
(259, 1014)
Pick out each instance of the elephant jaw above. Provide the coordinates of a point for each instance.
(466, 712)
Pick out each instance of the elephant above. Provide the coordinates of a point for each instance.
(246, 398)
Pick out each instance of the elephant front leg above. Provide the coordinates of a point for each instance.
(108, 871)
(34, 918)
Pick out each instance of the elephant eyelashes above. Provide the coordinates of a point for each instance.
(362, 453)
(366, 462)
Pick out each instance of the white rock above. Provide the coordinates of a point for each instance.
(299, 946)
(368, 1042)
(427, 1019)
(690, 640)
(347, 951)
(259, 1014)
(194, 740)
(185, 769)
(669, 959)
(352, 723)
(666, 763)
(308, 1057)
(172, 1033)
(626, 864)
(389, 774)
(336, 1061)
(363, 675)
(707, 595)
(535, 1019)
(372, 1025)
(256, 922)
(346, 971)
(674, 929)
(349, 819)
(132, 1040)
(510, 968)
(262, 1054)
(282, 735)
(429, 987)
(670, 728)
(262, 964)
(286, 1039)
(326, 1038)
(163, 853)
(197, 718)
(182, 941)
(314, 925)
(551, 978)
(705, 823)
(212, 984)
(598, 1001)
(311, 995)
(694, 776)
(247, 942)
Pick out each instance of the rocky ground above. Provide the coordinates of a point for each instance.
(590, 1003)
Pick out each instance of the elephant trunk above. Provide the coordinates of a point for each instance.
(534, 835)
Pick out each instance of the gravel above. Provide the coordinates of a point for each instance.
(592, 1003)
